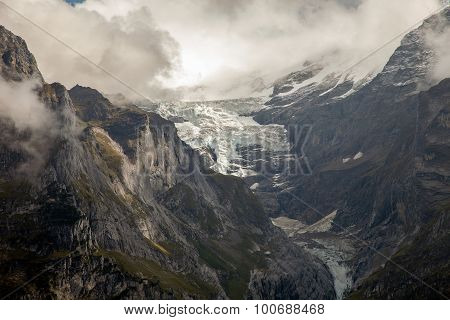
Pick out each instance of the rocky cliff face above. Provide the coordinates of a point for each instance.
(17, 62)
(424, 250)
(378, 156)
(104, 201)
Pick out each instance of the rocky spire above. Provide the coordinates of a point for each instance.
(18, 63)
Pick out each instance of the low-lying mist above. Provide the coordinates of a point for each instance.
(29, 126)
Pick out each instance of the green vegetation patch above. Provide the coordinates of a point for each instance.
(110, 155)
(233, 261)
(158, 247)
(153, 271)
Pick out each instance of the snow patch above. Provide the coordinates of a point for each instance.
(345, 95)
(322, 225)
(289, 226)
(294, 226)
(319, 77)
(360, 74)
(254, 186)
(359, 155)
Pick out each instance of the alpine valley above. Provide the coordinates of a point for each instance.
(113, 199)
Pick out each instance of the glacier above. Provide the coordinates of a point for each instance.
(226, 131)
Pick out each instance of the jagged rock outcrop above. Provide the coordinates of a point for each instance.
(17, 62)
(119, 207)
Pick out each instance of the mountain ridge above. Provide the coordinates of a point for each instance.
(120, 207)
(372, 159)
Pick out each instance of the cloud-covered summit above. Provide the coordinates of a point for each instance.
(209, 49)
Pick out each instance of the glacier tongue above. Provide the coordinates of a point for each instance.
(225, 130)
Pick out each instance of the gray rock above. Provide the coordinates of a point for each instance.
(120, 207)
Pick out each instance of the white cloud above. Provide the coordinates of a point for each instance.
(30, 126)
(225, 45)
(221, 46)
(20, 104)
(130, 46)
(440, 43)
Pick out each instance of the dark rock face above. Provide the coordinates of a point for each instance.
(90, 104)
(122, 208)
(379, 156)
(17, 62)
(425, 252)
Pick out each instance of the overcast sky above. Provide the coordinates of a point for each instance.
(210, 49)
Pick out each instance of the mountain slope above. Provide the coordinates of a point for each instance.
(113, 203)
(379, 157)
